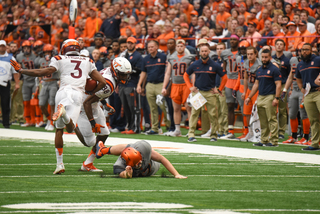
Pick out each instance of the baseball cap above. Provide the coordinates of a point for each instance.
(132, 40)
(252, 23)
(184, 25)
(142, 13)
(93, 8)
(2, 42)
(258, 2)
(203, 42)
(42, 15)
(179, 41)
(98, 35)
(195, 13)
(151, 20)
(157, 13)
(139, 46)
(302, 23)
(241, 3)
(84, 52)
(291, 24)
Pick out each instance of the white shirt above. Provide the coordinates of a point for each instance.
(6, 70)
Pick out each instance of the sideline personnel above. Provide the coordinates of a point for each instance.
(268, 81)
(205, 70)
(307, 72)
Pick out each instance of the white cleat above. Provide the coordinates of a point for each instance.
(48, 123)
(175, 134)
(247, 137)
(60, 169)
(167, 133)
(26, 125)
(50, 128)
(208, 134)
(90, 168)
(229, 136)
(38, 125)
(59, 113)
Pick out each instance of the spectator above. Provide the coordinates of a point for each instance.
(93, 24)
(305, 7)
(304, 33)
(153, 75)
(96, 59)
(222, 15)
(264, 17)
(184, 34)
(288, 11)
(258, 6)
(266, 32)
(292, 42)
(252, 33)
(243, 10)
(163, 18)
(276, 31)
(187, 9)
(304, 17)
(252, 17)
(241, 22)
(240, 32)
(163, 38)
(111, 26)
(5, 83)
(98, 42)
(277, 16)
(115, 49)
(268, 82)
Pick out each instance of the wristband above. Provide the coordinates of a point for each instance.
(277, 98)
(284, 90)
(93, 122)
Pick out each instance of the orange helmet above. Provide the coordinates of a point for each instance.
(244, 44)
(131, 156)
(26, 44)
(38, 43)
(70, 46)
(47, 47)
(103, 49)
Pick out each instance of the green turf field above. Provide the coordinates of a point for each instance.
(214, 182)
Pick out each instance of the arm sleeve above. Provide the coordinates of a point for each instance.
(54, 63)
(92, 66)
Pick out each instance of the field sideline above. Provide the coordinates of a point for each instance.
(223, 177)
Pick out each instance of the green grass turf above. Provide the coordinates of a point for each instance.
(214, 182)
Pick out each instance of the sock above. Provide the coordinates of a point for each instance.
(230, 129)
(245, 123)
(32, 114)
(306, 126)
(306, 136)
(294, 125)
(106, 150)
(38, 114)
(26, 110)
(59, 155)
(294, 135)
(90, 158)
(177, 127)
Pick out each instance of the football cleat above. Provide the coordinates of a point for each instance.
(99, 146)
(229, 136)
(301, 142)
(50, 128)
(90, 168)
(38, 125)
(247, 137)
(242, 136)
(48, 123)
(60, 169)
(176, 133)
(26, 125)
(59, 113)
(308, 143)
(290, 140)
(208, 134)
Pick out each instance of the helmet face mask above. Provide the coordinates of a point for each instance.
(121, 70)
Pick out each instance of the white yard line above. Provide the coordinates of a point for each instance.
(180, 147)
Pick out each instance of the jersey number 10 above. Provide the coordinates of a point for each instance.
(179, 68)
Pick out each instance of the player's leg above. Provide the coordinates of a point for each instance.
(247, 109)
(125, 104)
(230, 105)
(43, 99)
(26, 96)
(136, 111)
(293, 112)
(282, 108)
(5, 104)
(245, 123)
(305, 123)
(59, 151)
(223, 115)
(176, 103)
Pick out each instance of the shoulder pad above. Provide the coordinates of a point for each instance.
(91, 60)
(57, 57)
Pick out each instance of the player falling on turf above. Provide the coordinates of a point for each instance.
(136, 160)
(74, 71)
(91, 119)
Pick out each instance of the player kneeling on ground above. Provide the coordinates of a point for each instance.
(136, 160)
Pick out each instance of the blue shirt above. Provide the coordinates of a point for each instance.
(218, 78)
(267, 77)
(285, 67)
(309, 71)
(205, 74)
(154, 67)
(111, 27)
(135, 60)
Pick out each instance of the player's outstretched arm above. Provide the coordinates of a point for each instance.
(166, 163)
(32, 72)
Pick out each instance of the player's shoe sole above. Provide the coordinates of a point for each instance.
(99, 146)
(60, 169)
(59, 113)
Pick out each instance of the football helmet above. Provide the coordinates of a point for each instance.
(27, 50)
(243, 47)
(131, 156)
(47, 47)
(121, 69)
(70, 46)
(37, 44)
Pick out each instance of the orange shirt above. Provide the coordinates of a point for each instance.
(306, 39)
(188, 12)
(215, 6)
(91, 27)
(65, 19)
(246, 14)
(221, 18)
(278, 35)
(260, 26)
(293, 41)
(165, 36)
(254, 20)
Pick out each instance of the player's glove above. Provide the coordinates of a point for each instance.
(283, 95)
(96, 128)
(109, 109)
(15, 65)
(234, 93)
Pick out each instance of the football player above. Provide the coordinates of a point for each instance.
(74, 71)
(38, 51)
(136, 160)
(26, 59)
(243, 45)
(92, 119)
(177, 64)
(229, 57)
(49, 87)
(295, 100)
